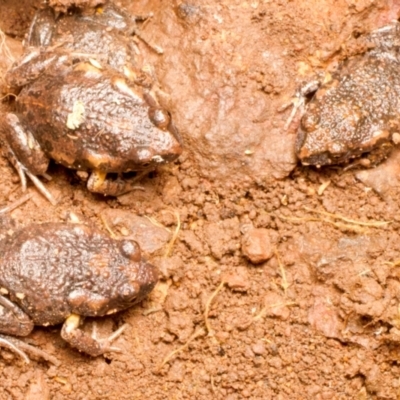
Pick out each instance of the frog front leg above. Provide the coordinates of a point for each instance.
(84, 342)
(98, 183)
(299, 101)
(24, 152)
(34, 64)
(13, 321)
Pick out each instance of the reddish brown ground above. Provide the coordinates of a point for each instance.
(320, 322)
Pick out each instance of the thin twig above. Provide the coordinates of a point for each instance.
(197, 333)
(339, 225)
(263, 311)
(8, 95)
(284, 284)
(109, 230)
(174, 235)
(15, 204)
(5, 342)
(39, 353)
(208, 306)
(375, 224)
(42, 188)
(18, 346)
(156, 223)
(4, 48)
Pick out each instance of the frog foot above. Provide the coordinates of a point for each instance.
(299, 101)
(23, 172)
(85, 343)
(42, 189)
(18, 347)
(8, 344)
(106, 342)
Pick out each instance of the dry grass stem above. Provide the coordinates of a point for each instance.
(109, 230)
(8, 95)
(349, 225)
(263, 311)
(197, 333)
(4, 49)
(19, 347)
(208, 306)
(212, 384)
(38, 352)
(395, 263)
(295, 219)
(156, 223)
(339, 225)
(345, 227)
(285, 285)
(158, 297)
(171, 243)
(152, 310)
(322, 187)
(373, 224)
(15, 204)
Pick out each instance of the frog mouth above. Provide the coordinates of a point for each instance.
(326, 158)
(317, 160)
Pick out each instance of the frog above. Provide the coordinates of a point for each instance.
(354, 112)
(105, 31)
(61, 272)
(86, 110)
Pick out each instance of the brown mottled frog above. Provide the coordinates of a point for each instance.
(84, 104)
(357, 109)
(56, 273)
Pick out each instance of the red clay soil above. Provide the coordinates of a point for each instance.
(283, 281)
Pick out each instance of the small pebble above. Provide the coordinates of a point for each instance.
(258, 348)
(258, 244)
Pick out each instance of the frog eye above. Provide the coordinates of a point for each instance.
(159, 117)
(310, 121)
(131, 250)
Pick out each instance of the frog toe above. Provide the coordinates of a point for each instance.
(24, 152)
(42, 188)
(23, 172)
(105, 343)
(89, 344)
(9, 344)
(19, 347)
(19, 167)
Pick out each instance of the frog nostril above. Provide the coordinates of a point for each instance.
(129, 292)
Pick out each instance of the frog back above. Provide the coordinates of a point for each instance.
(44, 264)
(91, 118)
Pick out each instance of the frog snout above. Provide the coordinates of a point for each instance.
(300, 139)
(317, 159)
(147, 278)
(171, 153)
(175, 144)
(168, 148)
